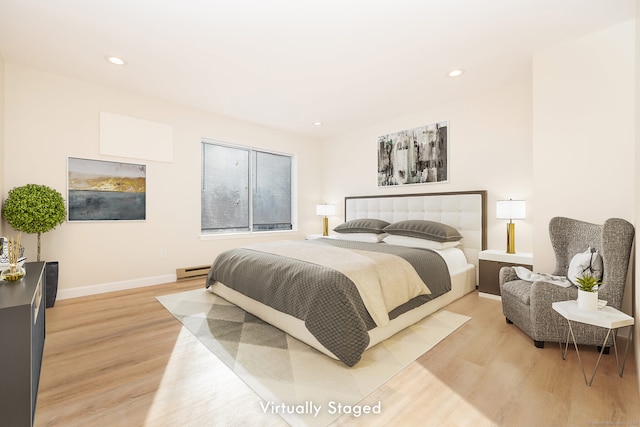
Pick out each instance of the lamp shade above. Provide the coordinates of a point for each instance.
(325, 210)
(511, 209)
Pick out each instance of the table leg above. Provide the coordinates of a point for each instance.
(566, 344)
(626, 352)
(575, 344)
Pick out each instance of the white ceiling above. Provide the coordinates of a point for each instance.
(288, 63)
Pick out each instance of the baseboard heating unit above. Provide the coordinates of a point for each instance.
(195, 272)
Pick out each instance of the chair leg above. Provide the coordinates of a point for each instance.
(509, 321)
(538, 344)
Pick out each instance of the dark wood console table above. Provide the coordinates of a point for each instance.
(22, 332)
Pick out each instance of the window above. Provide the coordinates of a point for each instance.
(244, 189)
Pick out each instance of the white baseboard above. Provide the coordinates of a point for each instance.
(490, 296)
(114, 286)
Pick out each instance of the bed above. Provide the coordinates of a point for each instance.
(321, 291)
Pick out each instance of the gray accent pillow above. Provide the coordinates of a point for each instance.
(421, 229)
(362, 225)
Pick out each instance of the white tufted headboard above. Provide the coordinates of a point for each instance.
(465, 211)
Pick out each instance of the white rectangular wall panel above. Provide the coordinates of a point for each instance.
(125, 136)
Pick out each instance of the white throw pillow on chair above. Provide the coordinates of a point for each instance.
(585, 263)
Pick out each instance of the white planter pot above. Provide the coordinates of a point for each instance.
(587, 300)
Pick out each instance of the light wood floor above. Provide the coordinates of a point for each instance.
(121, 359)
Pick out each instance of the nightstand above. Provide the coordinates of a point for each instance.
(491, 261)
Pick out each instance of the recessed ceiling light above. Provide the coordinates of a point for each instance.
(318, 123)
(456, 73)
(115, 60)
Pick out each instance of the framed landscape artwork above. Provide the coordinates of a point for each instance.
(104, 191)
(414, 156)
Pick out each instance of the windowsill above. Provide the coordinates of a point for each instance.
(248, 235)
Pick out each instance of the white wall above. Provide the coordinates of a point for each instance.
(490, 149)
(49, 117)
(583, 132)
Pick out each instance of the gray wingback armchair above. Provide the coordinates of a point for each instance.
(528, 304)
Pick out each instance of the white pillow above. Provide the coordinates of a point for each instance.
(361, 237)
(414, 242)
(585, 263)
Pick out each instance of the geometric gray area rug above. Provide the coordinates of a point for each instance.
(297, 382)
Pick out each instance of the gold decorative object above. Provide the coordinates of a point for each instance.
(511, 238)
(325, 211)
(511, 209)
(14, 272)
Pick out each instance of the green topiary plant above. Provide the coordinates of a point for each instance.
(34, 208)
